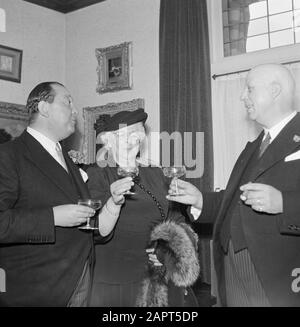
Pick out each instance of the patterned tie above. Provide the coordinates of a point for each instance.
(264, 144)
(61, 156)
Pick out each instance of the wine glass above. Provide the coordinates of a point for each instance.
(130, 171)
(174, 172)
(92, 203)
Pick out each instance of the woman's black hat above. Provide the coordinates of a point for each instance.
(125, 118)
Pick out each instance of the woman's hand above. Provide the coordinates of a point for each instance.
(118, 188)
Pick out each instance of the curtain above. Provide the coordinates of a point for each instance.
(232, 129)
(185, 86)
(185, 93)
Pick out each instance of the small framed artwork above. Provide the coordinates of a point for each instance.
(114, 68)
(10, 64)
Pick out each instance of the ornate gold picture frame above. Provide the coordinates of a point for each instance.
(92, 114)
(114, 68)
(13, 120)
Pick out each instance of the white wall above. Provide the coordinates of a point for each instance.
(110, 23)
(40, 33)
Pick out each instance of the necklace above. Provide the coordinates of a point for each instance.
(159, 206)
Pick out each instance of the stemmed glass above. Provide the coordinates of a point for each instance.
(92, 203)
(130, 171)
(174, 172)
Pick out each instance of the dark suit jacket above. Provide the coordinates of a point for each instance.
(272, 240)
(42, 262)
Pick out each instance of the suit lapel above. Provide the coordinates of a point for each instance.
(48, 166)
(284, 144)
(77, 178)
(241, 165)
(235, 178)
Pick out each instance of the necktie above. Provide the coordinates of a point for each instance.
(264, 144)
(60, 156)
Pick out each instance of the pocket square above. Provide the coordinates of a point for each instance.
(293, 156)
(84, 175)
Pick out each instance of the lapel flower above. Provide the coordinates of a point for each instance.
(76, 156)
(296, 138)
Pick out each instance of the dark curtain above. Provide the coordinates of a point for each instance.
(185, 89)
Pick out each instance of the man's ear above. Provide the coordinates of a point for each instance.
(275, 89)
(43, 107)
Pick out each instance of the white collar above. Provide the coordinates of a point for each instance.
(276, 129)
(46, 143)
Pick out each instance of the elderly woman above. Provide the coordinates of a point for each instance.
(123, 275)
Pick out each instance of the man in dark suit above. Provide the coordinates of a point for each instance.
(46, 258)
(257, 217)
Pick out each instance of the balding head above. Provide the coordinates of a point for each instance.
(275, 73)
(269, 94)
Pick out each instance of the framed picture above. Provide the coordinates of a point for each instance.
(93, 116)
(13, 120)
(114, 68)
(10, 64)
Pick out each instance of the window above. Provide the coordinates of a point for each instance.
(251, 25)
(2, 20)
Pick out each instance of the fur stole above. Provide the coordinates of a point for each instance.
(176, 248)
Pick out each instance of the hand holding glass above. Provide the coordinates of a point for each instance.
(132, 171)
(92, 203)
(174, 172)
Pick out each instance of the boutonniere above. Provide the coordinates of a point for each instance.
(296, 138)
(76, 156)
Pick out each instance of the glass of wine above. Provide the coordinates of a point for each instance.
(92, 203)
(174, 172)
(130, 171)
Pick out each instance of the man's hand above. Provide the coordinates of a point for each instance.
(70, 215)
(118, 188)
(262, 197)
(153, 258)
(188, 194)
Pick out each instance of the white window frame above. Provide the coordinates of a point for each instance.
(2, 24)
(223, 65)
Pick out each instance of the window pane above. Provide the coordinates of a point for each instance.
(226, 35)
(236, 32)
(257, 43)
(227, 50)
(297, 17)
(225, 18)
(258, 26)
(296, 4)
(237, 47)
(277, 6)
(224, 5)
(282, 38)
(258, 9)
(281, 21)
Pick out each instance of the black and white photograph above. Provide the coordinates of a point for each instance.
(149, 159)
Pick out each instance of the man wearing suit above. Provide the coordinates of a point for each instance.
(256, 237)
(46, 258)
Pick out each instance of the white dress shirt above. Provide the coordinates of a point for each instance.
(276, 129)
(46, 143)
